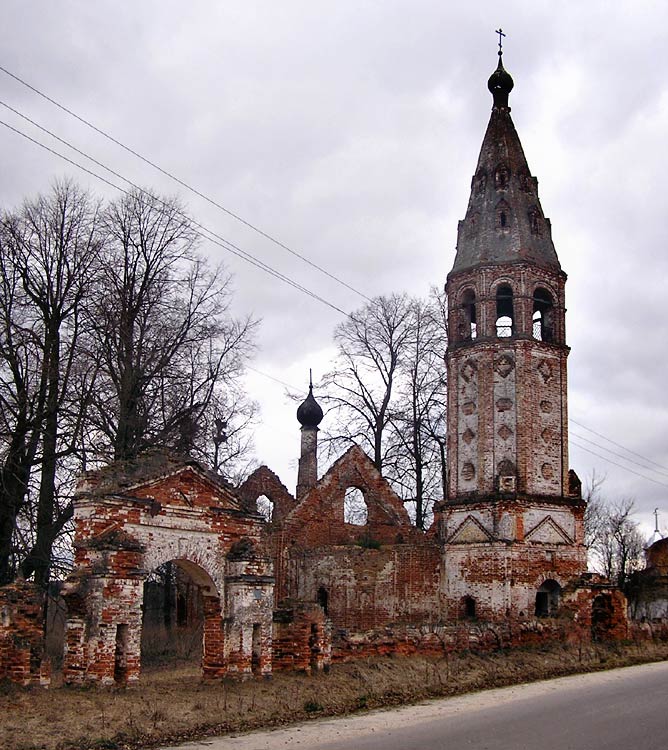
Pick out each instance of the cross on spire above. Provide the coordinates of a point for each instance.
(656, 520)
(499, 31)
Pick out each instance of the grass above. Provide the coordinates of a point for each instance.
(173, 704)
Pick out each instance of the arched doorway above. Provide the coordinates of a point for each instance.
(180, 613)
(548, 597)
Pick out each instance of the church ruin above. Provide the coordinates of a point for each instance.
(504, 562)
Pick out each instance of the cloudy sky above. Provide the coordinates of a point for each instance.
(350, 131)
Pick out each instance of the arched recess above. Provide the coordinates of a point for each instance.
(191, 625)
(469, 323)
(355, 509)
(543, 315)
(602, 615)
(505, 321)
(548, 598)
(468, 608)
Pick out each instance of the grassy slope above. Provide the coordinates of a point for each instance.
(173, 704)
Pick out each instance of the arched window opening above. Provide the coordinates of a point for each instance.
(468, 608)
(469, 326)
(265, 507)
(602, 613)
(504, 311)
(355, 509)
(547, 599)
(503, 218)
(543, 315)
(501, 177)
(323, 599)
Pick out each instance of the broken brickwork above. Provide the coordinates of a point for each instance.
(648, 588)
(131, 518)
(363, 576)
(302, 637)
(22, 658)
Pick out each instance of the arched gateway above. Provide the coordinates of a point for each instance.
(133, 517)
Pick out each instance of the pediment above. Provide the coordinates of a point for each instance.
(187, 487)
(547, 531)
(469, 531)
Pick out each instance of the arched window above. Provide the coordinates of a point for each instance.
(468, 608)
(547, 598)
(355, 510)
(265, 507)
(323, 599)
(469, 323)
(505, 326)
(543, 315)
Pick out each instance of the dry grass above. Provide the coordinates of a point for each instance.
(172, 703)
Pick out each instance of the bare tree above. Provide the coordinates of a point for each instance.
(360, 387)
(386, 392)
(418, 421)
(612, 536)
(169, 351)
(50, 250)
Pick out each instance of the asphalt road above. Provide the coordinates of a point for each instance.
(623, 709)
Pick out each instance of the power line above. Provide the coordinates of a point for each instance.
(193, 190)
(204, 232)
(271, 377)
(619, 445)
(609, 460)
(619, 455)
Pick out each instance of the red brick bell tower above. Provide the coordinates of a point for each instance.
(511, 525)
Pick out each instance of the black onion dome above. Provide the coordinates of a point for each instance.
(309, 413)
(500, 84)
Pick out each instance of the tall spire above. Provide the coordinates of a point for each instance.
(504, 219)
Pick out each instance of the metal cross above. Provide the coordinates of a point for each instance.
(499, 31)
(656, 519)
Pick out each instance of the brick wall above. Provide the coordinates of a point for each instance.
(22, 657)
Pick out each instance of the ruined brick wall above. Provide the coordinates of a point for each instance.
(363, 575)
(165, 510)
(22, 659)
(499, 553)
(368, 588)
(263, 481)
(302, 637)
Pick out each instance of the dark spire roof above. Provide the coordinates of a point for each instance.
(309, 413)
(504, 219)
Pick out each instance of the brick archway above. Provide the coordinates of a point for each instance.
(173, 511)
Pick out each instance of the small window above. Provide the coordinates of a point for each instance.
(355, 510)
(504, 311)
(265, 507)
(323, 599)
(468, 608)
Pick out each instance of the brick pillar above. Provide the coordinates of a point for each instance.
(214, 663)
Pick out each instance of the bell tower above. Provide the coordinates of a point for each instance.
(510, 498)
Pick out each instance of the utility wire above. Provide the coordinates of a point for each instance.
(619, 455)
(609, 460)
(204, 232)
(176, 179)
(271, 377)
(619, 445)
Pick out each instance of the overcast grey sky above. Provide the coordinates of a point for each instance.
(350, 131)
